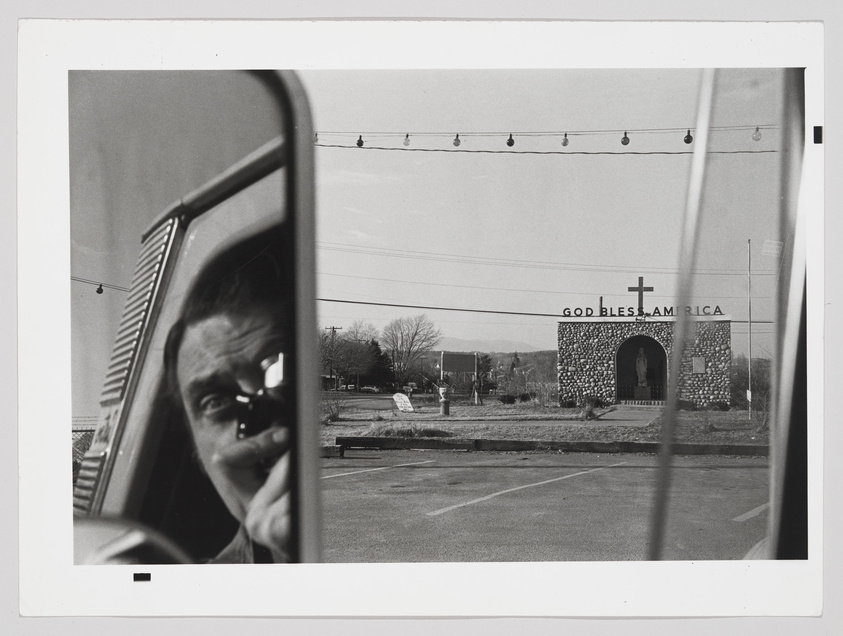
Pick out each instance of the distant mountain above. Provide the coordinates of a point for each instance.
(483, 346)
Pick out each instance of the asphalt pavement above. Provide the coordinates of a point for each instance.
(425, 506)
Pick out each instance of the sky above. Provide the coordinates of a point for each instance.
(132, 154)
(534, 233)
(531, 228)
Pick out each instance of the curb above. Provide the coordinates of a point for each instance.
(433, 443)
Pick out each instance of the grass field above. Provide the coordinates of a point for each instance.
(541, 423)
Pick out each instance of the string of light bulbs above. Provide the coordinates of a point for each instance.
(99, 285)
(563, 137)
(552, 152)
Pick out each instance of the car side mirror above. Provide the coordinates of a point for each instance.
(116, 541)
(200, 167)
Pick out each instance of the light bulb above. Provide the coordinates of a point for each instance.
(565, 140)
(360, 141)
(99, 289)
(756, 136)
(315, 137)
(625, 139)
(457, 140)
(510, 142)
(406, 141)
(688, 138)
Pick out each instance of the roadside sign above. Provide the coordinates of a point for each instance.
(403, 402)
(458, 362)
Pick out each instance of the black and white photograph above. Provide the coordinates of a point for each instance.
(469, 321)
(519, 281)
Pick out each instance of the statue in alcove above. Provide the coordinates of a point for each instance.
(641, 367)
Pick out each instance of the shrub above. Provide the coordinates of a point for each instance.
(686, 405)
(399, 430)
(331, 407)
(718, 406)
(526, 397)
(568, 404)
(543, 393)
(763, 418)
(588, 404)
(506, 398)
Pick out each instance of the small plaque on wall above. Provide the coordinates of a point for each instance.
(699, 364)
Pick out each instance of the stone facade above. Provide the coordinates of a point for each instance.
(589, 361)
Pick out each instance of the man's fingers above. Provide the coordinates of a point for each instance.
(268, 516)
(252, 450)
(277, 484)
(271, 527)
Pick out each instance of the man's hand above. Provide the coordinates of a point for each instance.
(267, 515)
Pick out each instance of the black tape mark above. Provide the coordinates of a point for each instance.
(818, 134)
(143, 576)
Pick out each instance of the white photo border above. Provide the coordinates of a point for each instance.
(50, 585)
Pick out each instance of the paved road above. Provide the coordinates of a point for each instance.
(415, 506)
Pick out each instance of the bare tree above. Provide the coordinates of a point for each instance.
(327, 353)
(354, 355)
(353, 359)
(350, 353)
(406, 339)
(362, 331)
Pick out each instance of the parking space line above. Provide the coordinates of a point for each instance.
(508, 490)
(752, 513)
(370, 470)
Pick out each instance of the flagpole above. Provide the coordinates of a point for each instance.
(749, 322)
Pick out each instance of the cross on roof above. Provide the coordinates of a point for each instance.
(640, 289)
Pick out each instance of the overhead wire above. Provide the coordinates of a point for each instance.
(510, 289)
(542, 133)
(483, 260)
(467, 309)
(99, 284)
(402, 140)
(359, 146)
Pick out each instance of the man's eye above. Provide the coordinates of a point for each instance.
(216, 404)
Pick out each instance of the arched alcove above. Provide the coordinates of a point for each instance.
(626, 375)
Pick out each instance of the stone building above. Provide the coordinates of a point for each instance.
(623, 357)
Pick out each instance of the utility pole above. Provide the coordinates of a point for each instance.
(749, 323)
(331, 354)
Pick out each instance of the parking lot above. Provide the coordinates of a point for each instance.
(422, 506)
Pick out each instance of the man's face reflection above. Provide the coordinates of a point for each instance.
(219, 358)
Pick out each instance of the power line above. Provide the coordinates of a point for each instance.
(99, 284)
(481, 311)
(548, 152)
(468, 310)
(483, 260)
(509, 289)
(543, 133)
